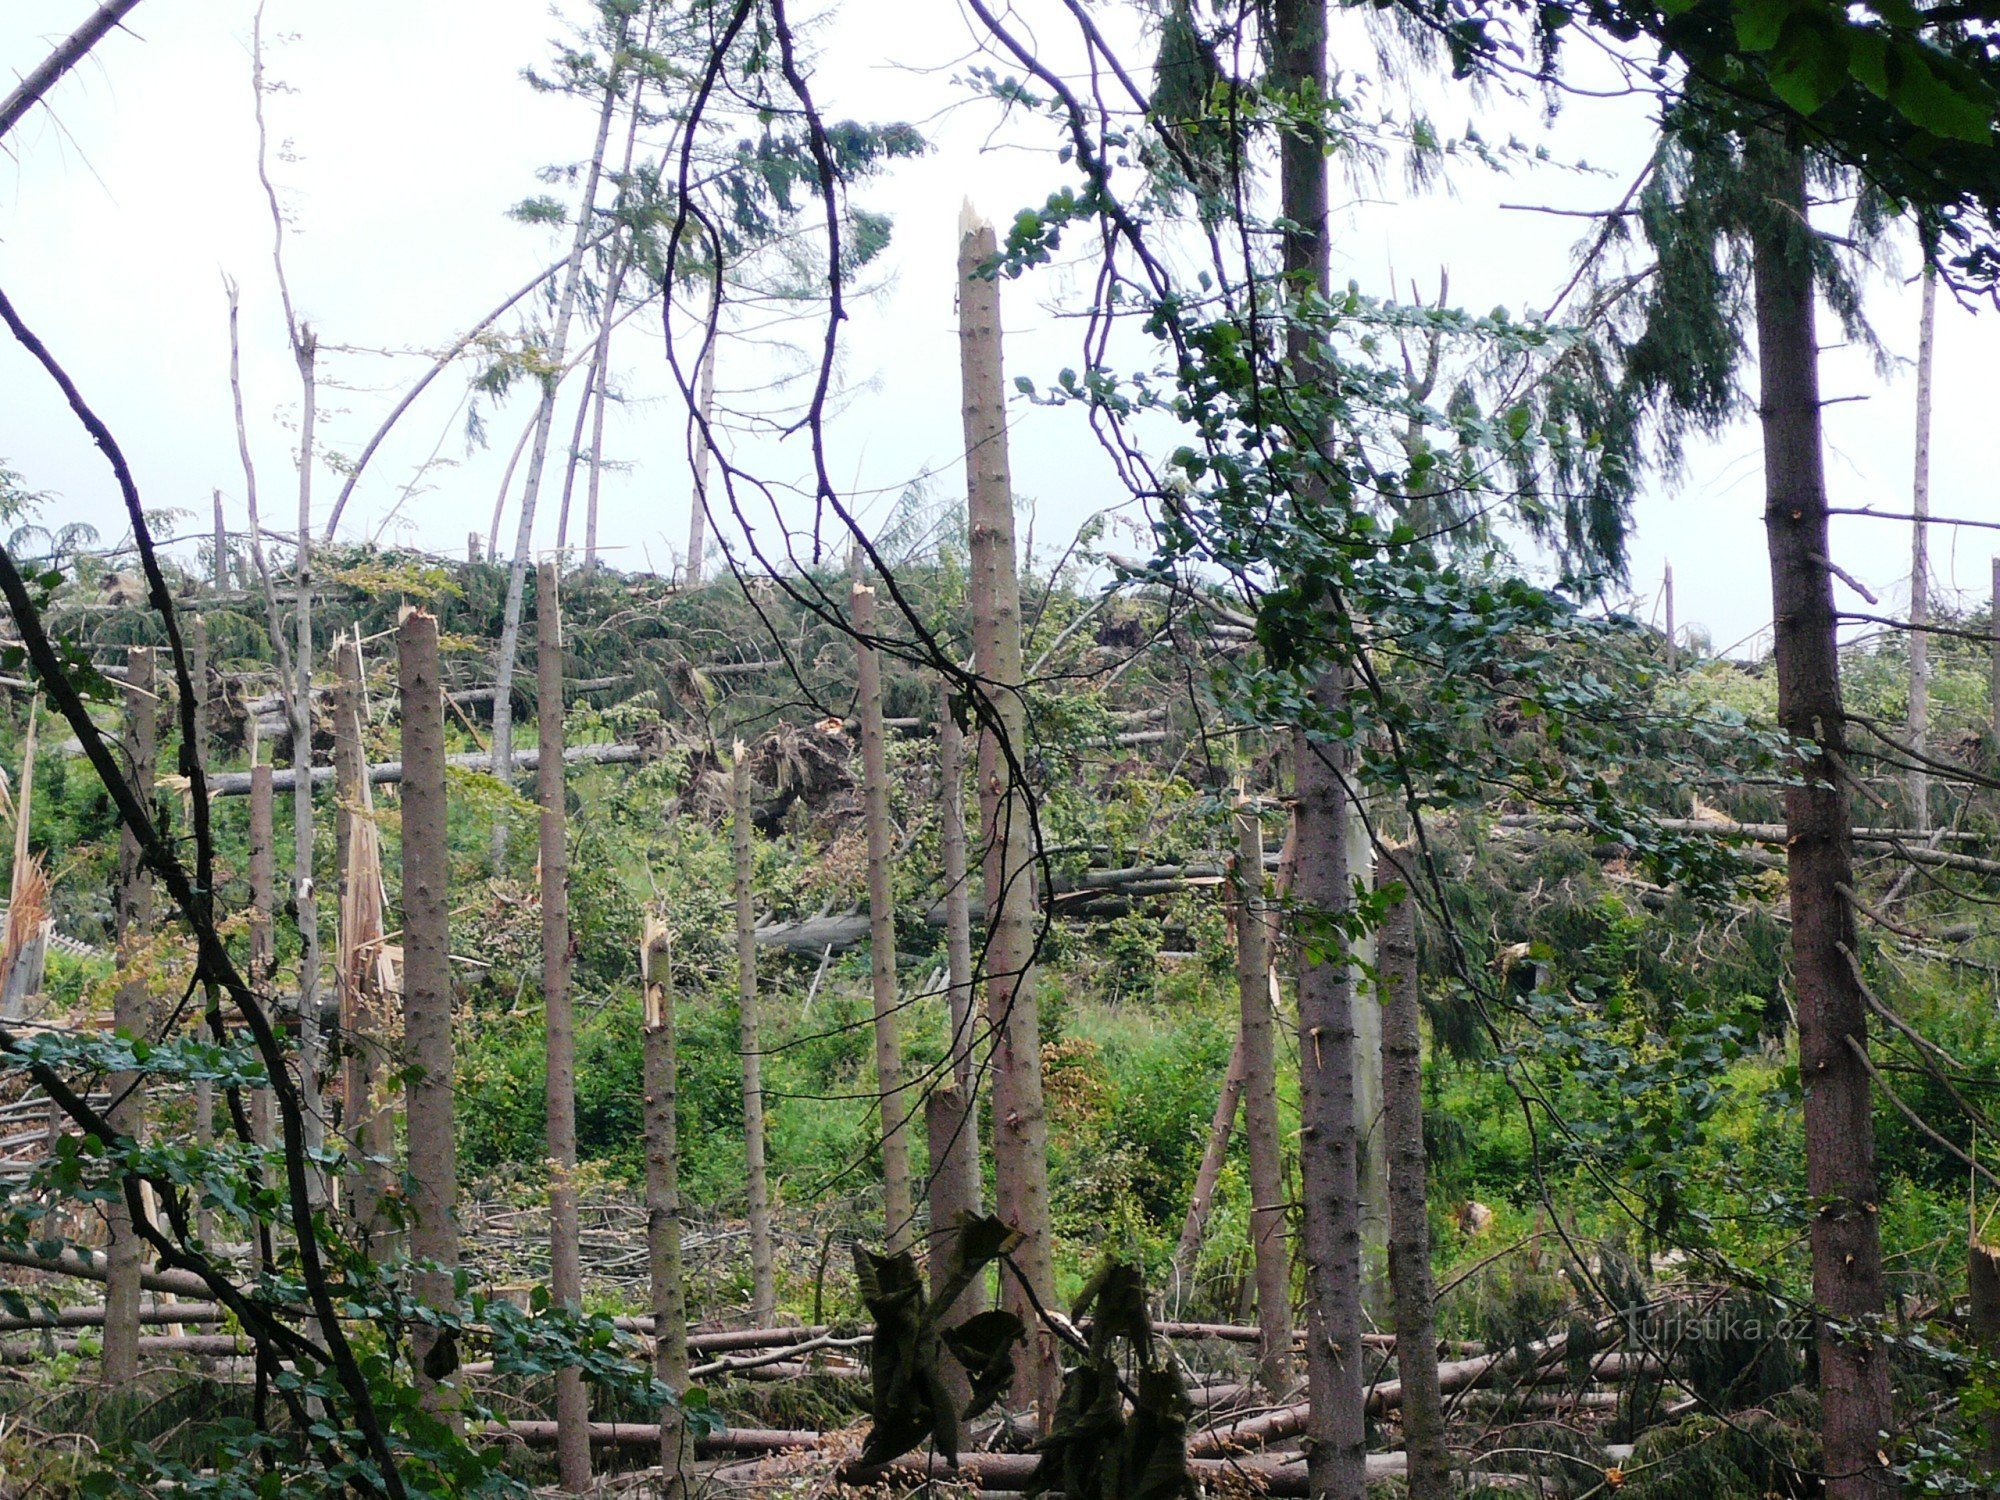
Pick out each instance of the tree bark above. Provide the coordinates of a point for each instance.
(559, 1020)
(427, 1001)
(959, 998)
(1920, 564)
(1270, 1239)
(220, 571)
(663, 1202)
(954, 1197)
(1833, 1024)
(1409, 1215)
(517, 567)
(763, 1267)
(1020, 1123)
(1329, 1168)
(898, 1213)
(132, 1014)
(1220, 1128)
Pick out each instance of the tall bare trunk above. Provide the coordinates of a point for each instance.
(427, 1000)
(1270, 1241)
(763, 1268)
(1833, 1019)
(263, 898)
(1214, 1155)
(954, 1197)
(898, 1213)
(306, 346)
(1920, 564)
(959, 998)
(1329, 1168)
(524, 537)
(1409, 1216)
(698, 506)
(663, 1202)
(132, 1013)
(1020, 1122)
(574, 460)
(565, 1250)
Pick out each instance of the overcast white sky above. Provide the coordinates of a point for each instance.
(409, 133)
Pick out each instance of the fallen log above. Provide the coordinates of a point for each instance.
(1458, 1375)
(646, 1435)
(93, 1317)
(184, 1345)
(237, 783)
(89, 1266)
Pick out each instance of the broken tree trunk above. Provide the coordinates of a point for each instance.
(1270, 1241)
(360, 968)
(132, 1014)
(1848, 1289)
(954, 1198)
(763, 1269)
(898, 1213)
(1220, 1128)
(427, 1004)
(663, 1200)
(559, 1022)
(1020, 1123)
(1409, 1217)
(959, 999)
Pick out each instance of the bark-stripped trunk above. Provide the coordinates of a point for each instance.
(306, 347)
(1330, 1221)
(1020, 1123)
(1920, 564)
(132, 1014)
(898, 1215)
(204, 730)
(591, 373)
(1833, 1018)
(357, 1038)
(427, 1001)
(559, 1020)
(1213, 1156)
(663, 1202)
(959, 999)
(1270, 1242)
(263, 946)
(763, 1268)
(1409, 1217)
(524, 537)
(698, 507)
